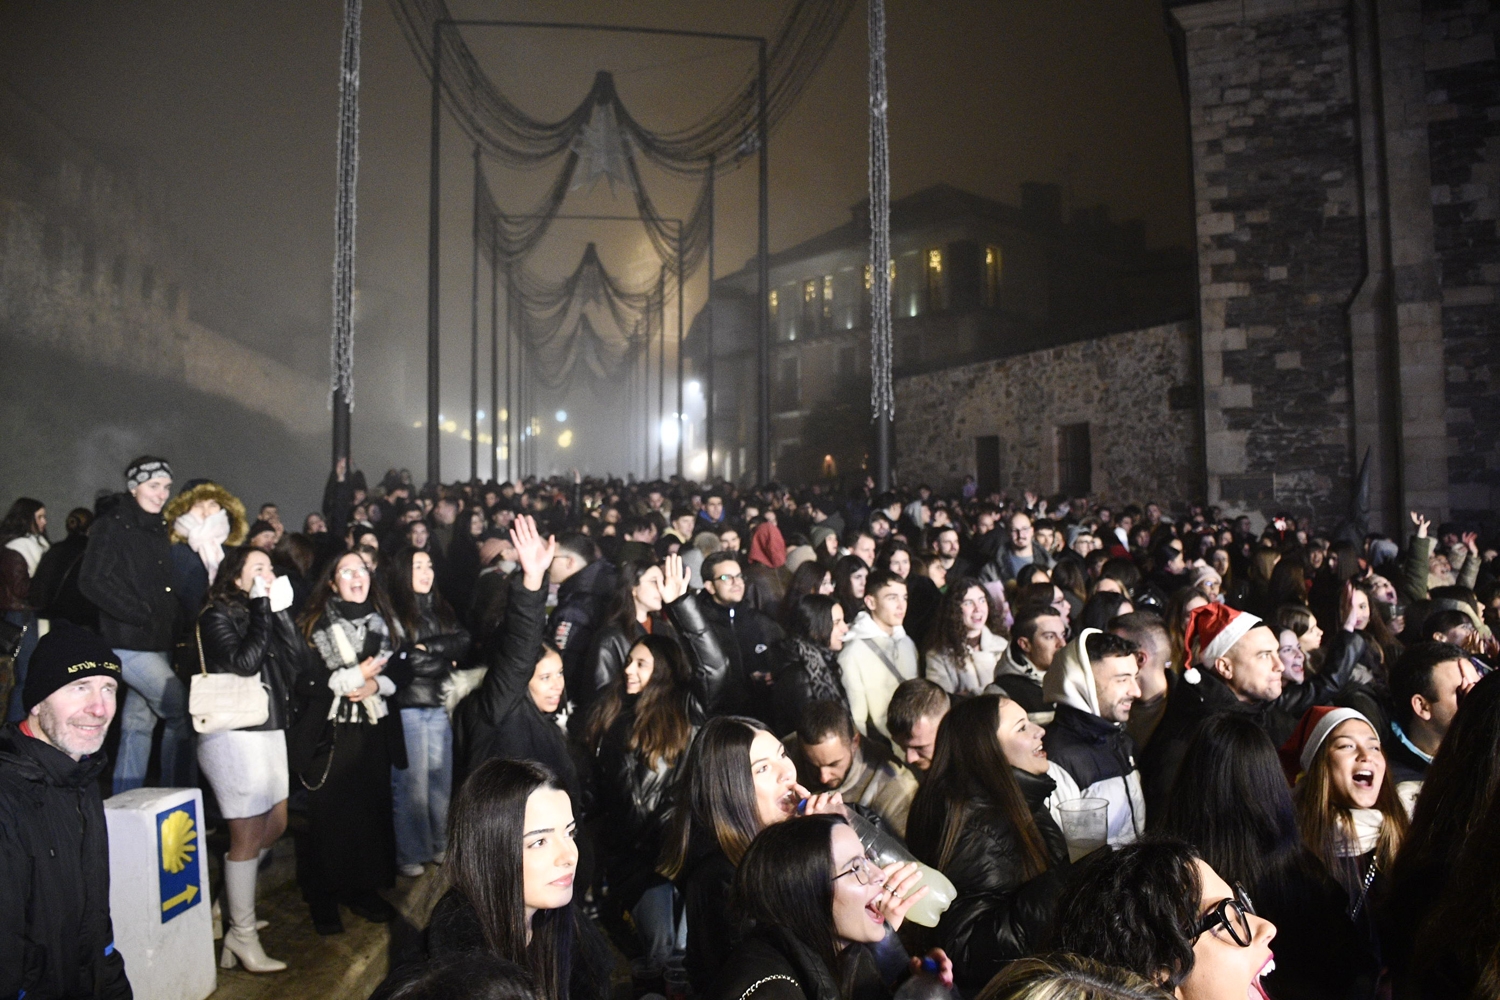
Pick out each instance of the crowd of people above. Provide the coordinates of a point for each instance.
(775, 743)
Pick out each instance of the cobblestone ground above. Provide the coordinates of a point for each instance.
(345, 966)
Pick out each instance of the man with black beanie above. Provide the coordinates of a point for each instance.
(56, 939)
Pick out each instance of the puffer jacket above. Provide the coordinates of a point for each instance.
(430, 667)
(246, 637)
(787, 969)
(610, 651)
(56, 939)
(998, 916)
(127, 574)
(1097, 753)
(748, 636)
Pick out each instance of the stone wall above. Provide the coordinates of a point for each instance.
(1275, 164)
(1131, 388)
(1463, 94)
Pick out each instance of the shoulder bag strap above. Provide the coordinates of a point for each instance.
(198, 633)
(890, 664)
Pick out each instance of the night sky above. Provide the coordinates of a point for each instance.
(237, 101)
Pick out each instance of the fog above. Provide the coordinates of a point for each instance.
(236, 102)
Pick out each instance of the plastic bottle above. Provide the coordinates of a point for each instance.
(889, 850)
(924, 985)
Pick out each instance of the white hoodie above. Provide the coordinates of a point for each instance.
(1070, 681)
(868, 681)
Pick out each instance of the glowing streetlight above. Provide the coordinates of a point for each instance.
(562, 416)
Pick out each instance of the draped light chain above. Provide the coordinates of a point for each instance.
(342, 350)
(882, 398)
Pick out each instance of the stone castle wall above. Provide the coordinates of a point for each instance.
(1131, 388)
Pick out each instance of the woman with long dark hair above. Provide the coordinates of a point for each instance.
(736, 780)
(638, 731)
(24, 530)
(817, 904)
(432, 644)
(961, 651)
(984, 823)
(1099, 610)
(247, 629)
(513, 860)
(849, 576)
(1232, 804)
(1165, 914)
(635, 609)
(807, 660)
(346, 744)
(810, 578)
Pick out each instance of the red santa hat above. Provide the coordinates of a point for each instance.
(1212, 630)
(1312, 730)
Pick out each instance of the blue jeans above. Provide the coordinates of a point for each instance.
(661, 931)
(420, 793)
(154, 692)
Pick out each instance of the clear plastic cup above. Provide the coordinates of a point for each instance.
(1085, 825)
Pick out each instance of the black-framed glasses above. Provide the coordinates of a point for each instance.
(865, 872)
(726, 577)
(1232, 914)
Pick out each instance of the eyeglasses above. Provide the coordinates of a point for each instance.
(726, 577)
(865, 872)
(353, 573)
(1233, 915)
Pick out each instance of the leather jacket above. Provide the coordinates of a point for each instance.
(610, 650)
(999, 915)
(446, 645)
(246, 637)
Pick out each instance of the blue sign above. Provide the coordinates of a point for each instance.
(177, 856)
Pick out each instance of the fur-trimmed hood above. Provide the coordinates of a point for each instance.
(239, 527)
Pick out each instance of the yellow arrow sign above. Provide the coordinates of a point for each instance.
(185, 896)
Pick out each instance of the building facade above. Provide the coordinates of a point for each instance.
(972, 279)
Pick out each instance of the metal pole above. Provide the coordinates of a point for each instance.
(510, 399)
(762, 307)
(434, 443)
(495, 355)
(708, 399)
(880, 251)
(646, 402)
(661, 368)
(474, 335)
(681, 472)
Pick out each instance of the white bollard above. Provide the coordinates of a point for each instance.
(158, 892)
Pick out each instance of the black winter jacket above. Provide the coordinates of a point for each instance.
(581, 601)
(749, 637)
(804, 673)
(631, 796)
(246, 637)
(998, 915)
(774, 951)
(54, 587)
(712, 931)
(499, 719)
(1344, 652)
(446, 646)
(127, 574)
(611, 648)
(1189, 705)
(56, 939)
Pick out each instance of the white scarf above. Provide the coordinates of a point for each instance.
(1367, 826)
(206, 537)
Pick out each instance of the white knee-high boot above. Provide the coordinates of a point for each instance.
(241, 940)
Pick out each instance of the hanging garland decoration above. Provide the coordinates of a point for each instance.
(882, 397)
(727, 133)
(342, 347)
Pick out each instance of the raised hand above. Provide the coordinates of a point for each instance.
(1471, 542)
(532, 551)
(675, 578)
(1422, 524)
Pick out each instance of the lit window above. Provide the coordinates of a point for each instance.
(992, 264)
(935, 261)
(809, 291)
(774, 302)
(869, 277)
(937, 289)
(828, 296)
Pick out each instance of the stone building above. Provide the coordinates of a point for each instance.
(103, 356)
(973, 279)
(1346, 165)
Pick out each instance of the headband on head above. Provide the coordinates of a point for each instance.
(147, 468)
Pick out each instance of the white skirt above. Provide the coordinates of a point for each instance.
(247, 770)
